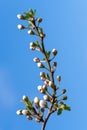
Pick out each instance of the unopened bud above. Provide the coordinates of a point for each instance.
(36, 60)
(29, 118)
(19, 112)
(46, 82)
(42, 74)
(36, 100)
(25, 98)
(59, 78)
(40, 65)
(42, 35)
(39, 20)
(46, 98)
(37, 119)
(31, 32)
(51, 84)
(64, 98)
(25, 112)
(43, 104)
(54, 51)
(63, 91)
(20, 27)
(19, 16)
(54, 64)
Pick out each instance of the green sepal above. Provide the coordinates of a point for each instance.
(40, 30)
(59, 112)
(48, 54)
(47, 76)
(37, 44)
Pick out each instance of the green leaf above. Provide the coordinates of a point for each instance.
(48, 54)
(34, 12)
(59, 112)
(47, 76)
(40, 30)
(65, 107)
(37, 44)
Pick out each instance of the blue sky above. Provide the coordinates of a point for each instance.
(65, 24)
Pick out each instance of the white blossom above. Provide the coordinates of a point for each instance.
(46, 97)
(19, 16)
(36, 60)
(40, 65)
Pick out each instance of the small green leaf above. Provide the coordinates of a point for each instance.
(59, 111)
(47, 76)
(48, 54)
(40, 30)
(34, 12)
(37, 44)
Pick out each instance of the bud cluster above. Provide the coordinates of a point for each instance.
(51, 101)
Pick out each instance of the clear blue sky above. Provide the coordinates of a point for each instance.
(65, 23)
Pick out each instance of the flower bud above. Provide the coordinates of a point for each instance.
(43, 104)
(36, 100)
(25, 112)
(54, 51)
(64, 98)
(19, 16)
(46, 98)
(37, 119)
(20, 27)
(63, 91)
(29, 118)
(39, 20)
(51, 84)
(32, 46)
(36, 60)
(40, 65)
(59, 78)
(25, 98)
(42, 35)
(40, 87)
(43, 78)
(19, 112)
(42, 74)
(54, 64)
(44, 87)
(46, 82)
(31, 32)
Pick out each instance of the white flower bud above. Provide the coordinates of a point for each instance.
(20, 26)
(37, 119)
(25, 98)
(36, 60)
(43, 78)
(29, 118)
(40, 65)
(45, 87)
(42, 74)
(43, 104)
(46, 82)
(54, 51)
(30, 32)
(46, 98)
(19, 16)
(39, 87)
(36, 100)
(32, 46)
(25, 112)
(19, 112)
(50, 83)
(59, 78)
(39, 20)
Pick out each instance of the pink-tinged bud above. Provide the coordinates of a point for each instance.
(36, 100)
(43, 104)
(40, 65)
(54, 51)
(20, 27)
(30, 32)
(36, 60)
(19, 16)
(25, 112)
(19, 112)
